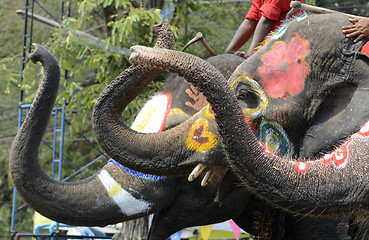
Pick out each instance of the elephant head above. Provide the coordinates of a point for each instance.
(176, 103)
(308, 81)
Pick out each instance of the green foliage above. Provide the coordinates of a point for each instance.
(100, 59)
(218, 21)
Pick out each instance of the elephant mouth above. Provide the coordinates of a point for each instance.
(254, 102)
(250, 95)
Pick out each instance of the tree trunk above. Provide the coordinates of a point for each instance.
(110, 13)
(136, 229)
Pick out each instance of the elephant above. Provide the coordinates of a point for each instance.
(303, 93)
(258, 218)
(104, 188)
(176, 202)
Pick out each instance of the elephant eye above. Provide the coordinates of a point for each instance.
(246, 96)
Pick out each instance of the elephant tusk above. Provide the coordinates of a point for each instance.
(196, 172)
(207, 178)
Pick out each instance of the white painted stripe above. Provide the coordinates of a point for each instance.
(151, 116)
(127, 203)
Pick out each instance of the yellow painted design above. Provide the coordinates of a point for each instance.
(175, 111)
(209, 112)
(258, 90)
(200, 139)
(114, 190)
(144, 118)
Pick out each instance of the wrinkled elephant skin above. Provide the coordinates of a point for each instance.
(303, 93)
(267, 111)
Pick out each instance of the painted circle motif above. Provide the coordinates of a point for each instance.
(275, 139)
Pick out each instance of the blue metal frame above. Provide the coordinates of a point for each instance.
(58, 114)
(168, 9)
(57, 160)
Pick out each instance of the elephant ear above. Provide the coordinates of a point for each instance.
(339, 109)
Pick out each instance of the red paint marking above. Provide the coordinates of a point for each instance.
(339, 157)
(302, 167)
(169, 105)
(365, 48)
(364, 131)
(197, 135)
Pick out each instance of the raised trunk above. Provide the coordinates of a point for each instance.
(341, 190)
(146, 152)
(96, 201)
(68, 202)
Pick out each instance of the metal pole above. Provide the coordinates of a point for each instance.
(20, 112)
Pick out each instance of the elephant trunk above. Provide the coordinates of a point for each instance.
(139, 151)
(87, 202)
(315, 186)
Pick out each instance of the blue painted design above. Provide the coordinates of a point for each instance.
(275, 139)
(137, 174)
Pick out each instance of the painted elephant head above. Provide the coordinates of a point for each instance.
(176, 103)
(304, 91)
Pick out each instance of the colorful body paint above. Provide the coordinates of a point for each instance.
(199, 137)
(128, 204)
(256, 89)
(275, 139)
(141, 175)
(284, 69)
(152, 117)
(338, 158)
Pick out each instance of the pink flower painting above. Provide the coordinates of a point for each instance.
(284, 69)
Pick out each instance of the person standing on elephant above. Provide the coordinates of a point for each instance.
(263, 17)
(360, 28)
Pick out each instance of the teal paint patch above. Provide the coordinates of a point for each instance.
(275, 139)
(282, 29)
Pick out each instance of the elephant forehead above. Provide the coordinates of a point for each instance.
(281, 67)
(152, 117)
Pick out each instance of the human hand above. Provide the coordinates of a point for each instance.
(360, 28)
(241, 54)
